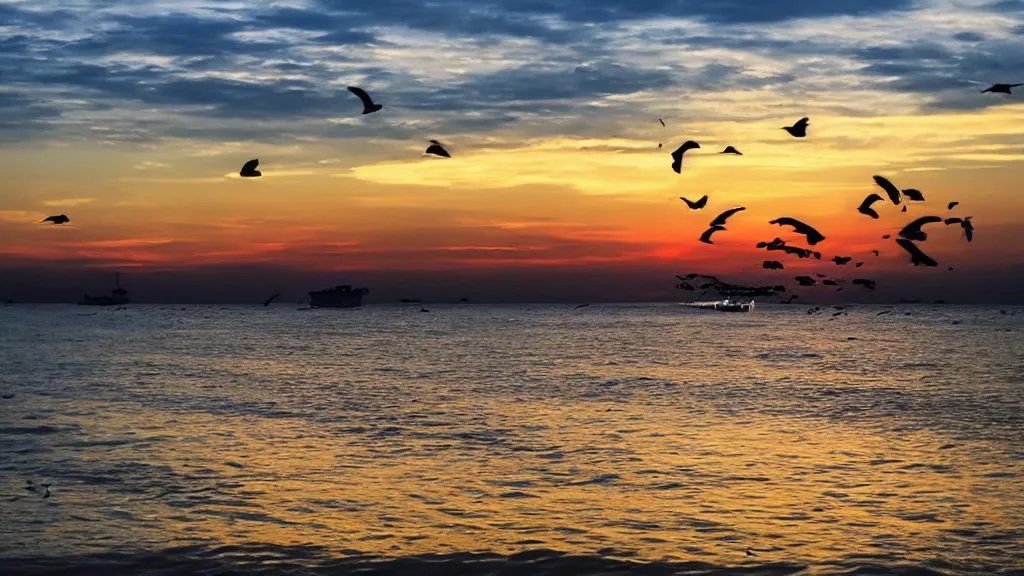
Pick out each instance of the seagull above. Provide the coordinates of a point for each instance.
(662, 122)
(772, 265)
(706, 236)
(913, 194)
(968, 228)
(731, 150)
(249, 169)
(877, 252)
(917, 258)
(702, 202)
(913, 230)
(677, 156)
(721, 218)
(842, 260)
(59, 219)
(798, 130)
(886, 236)
(368, 106)
(813, 236)
(865, 206)
(1001, 88)
(858, 264)
(951, 205)
(869, 284)
(436, 149)
(892, 191)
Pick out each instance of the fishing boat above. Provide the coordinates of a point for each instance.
(343, 296)
(118, 296)
(722, 305)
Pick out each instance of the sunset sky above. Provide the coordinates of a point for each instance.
(133, 119)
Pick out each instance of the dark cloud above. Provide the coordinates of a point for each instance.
(969, 36)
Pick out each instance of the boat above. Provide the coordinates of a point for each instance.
(343, 296)
(722, 305)
(118, 296)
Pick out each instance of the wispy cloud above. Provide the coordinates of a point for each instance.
(68, 202)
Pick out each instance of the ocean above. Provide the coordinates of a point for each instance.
(518, 439)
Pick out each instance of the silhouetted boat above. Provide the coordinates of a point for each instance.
(118, 296)
(338, 297)
(722, 306)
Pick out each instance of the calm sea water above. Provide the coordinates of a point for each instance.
(511, 439)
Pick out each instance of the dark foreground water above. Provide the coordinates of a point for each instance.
(511, 440)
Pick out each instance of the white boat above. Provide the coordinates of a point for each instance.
(722, 305)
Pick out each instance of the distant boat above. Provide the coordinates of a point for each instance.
(338, 297)
(118, 296)
(722, 306)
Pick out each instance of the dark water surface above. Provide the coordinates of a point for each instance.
(645, 439)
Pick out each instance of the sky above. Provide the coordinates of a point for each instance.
(133, 118)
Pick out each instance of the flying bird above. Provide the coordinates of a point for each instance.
(720, 220)
(731, 150)
(951, 205)
(806, 281)
(662, 122)
(436, 149)
(1001, 88)
(886, 236)
(702, 202)
(798, 130)
(968, 228)
(869, 284)
(706, 236)
(894, 193)
(368, 106)
(830, 282)
(865, 206)
(772, 265)
(904, 208)
(59, 219)
(913, 230)
(917, 257)
(821, 276)
(877, 252)
(578, 306)
(813, 236)
(249, 169)
(913, 194)
(677, 156)
(842, 260)
(858, 264)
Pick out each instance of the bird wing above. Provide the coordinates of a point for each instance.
(48, 219)
(706, 236)
(915, 226)
(688, 145)
(951, 221)
(662, 121)
(802, 123)
(951, 205)
(892, 191)
(866, 204)
(250, 165)
(916, 256)
(367, 101)
(720, 220)
(438, 150)
(914, 194)
(696, 205)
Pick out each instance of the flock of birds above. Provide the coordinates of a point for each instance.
(907, 237)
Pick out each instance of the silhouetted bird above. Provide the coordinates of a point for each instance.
(772, 265)
(659, 144)
(806, 281)
(706, 236)
(798, 130)
(913, 230)
(731, 150)
(662, 121)
(368, 106)
(813, 236)
(578, 306)
(721, 218)
(830, 282)
(422, 309)
(436, 149)
(702, 202)
(869, 284)
(820, 275)
(1001, 88)
(858, 264)
(951, 205)
(950, 268)
(951, 221)
(249, 169)
(842, 260)
(677, 156)
(876, 252)
(59, 219)
(271, 299)
(913, 194)
(886, 236)
(968, 228)
(894, 193)
(917, 258)
(865, 206)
